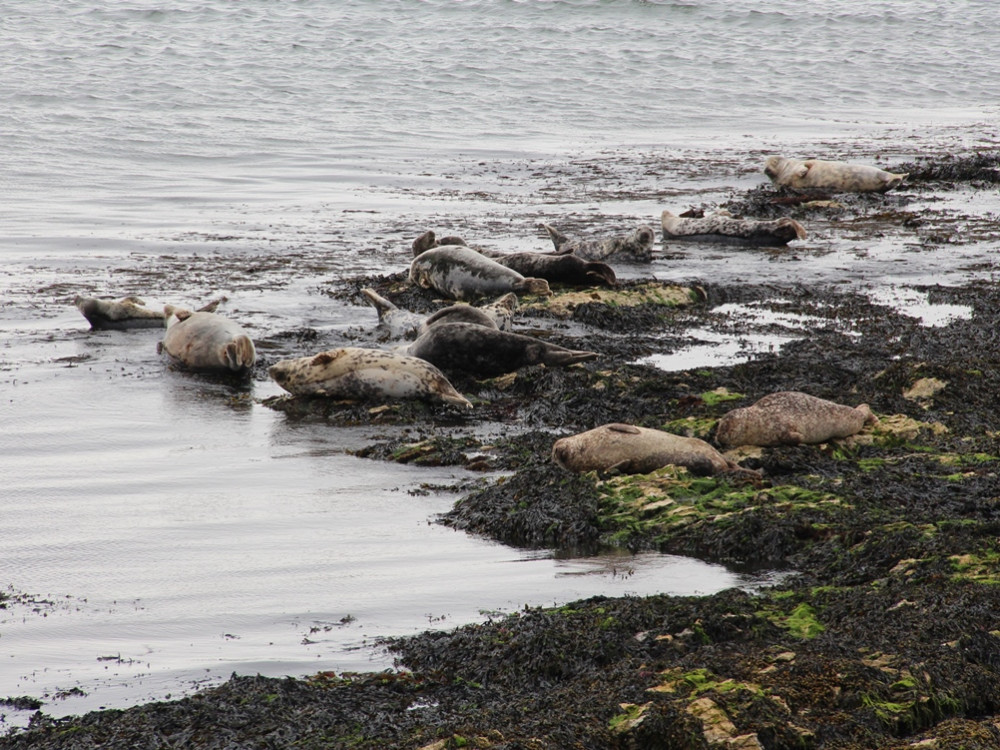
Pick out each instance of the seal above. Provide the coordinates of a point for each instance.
(460, 313)
(459, 272)
(722, 227)
(488, 352)
(556, 268)
(365, 374)
(395, 322)
(836, 176)
(628, 449)
(207, 341)
(636, 245)
(119, 315)
(791, 418)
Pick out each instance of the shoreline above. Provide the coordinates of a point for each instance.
(890, 603)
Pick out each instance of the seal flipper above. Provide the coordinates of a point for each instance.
(382, 305)
(559, 357)
(601, 273)
(558, 238)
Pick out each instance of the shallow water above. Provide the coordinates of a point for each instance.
(180, 530)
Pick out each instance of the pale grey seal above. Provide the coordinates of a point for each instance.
(836, 176)
(636, 245)
(459, 272)
(120, 314)
(721, 226)
(207, 341)
(357, 373)
(487, 352)
(791, 418)
(394, 321)
(629, 449)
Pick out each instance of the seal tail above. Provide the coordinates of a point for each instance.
(382, 305)
(213, 305)
(558, 238)
(534, 286)
(564, 357)
(789, 229)
(240, 354)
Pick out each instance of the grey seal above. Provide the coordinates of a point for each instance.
(791, 418)
(397, 323)
(636, 245)
(629, 449)
(119, 315)
(207, 341)
(461, 273)
(721, 226)
(837, 176)
(488, 352)
(358, 373)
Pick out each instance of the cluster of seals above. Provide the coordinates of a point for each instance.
(636, 246)
(487, 352)
(459, 272)
(791, 418)
(206, 341)
(358, 373)
(836, 176)
(721, 226)
(628, 449)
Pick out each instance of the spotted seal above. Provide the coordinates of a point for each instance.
(487, 352)
(721, 226)
(636, 245)
(461, 273)
(556, 268)
(207, 341)
(837, 176)
(628, 449)
(121, 314)
(791, 418)
(358, 373)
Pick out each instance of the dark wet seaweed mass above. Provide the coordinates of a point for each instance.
(885, 633)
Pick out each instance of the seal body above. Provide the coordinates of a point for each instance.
(357, 373)
(396, 323)
(636, 450)
(791, 418)
(461, 273)
(836, 176)
(487, 352)
(119, 315)
(207, 341)
(636, 245)
(723, 227)
(460, 313)
(559, 268)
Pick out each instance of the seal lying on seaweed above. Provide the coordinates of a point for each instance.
(636, 245)
(721, 226)
(838, 176)
(791, 418)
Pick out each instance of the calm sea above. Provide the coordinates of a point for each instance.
(178, 534)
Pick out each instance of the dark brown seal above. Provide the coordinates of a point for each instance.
(487, 352)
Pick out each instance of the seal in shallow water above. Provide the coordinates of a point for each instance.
(791, 418)
(207, 341)
(836, 176)
(487, 352)
(357, 373)
(120, 314)
(721, 226)
(629, 449)
(459, 272)
(636, 245)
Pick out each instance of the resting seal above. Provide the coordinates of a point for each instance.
(394, 321)
(397, 323)
(356, 373)
(723, 227)
(556, 268)
(206, 341)
(636, 245)
(791, 418)
(836, 176)
(119, 315)
(637, 450)
(459, 272)
(487, 352)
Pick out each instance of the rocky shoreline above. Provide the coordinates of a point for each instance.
(883, 634)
